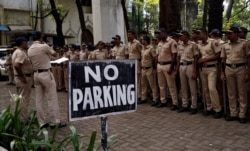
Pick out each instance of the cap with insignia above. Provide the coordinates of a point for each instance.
(163, 30)
(201, 30)
(232, 29)
(131, 32)
(175, 35)
(243, 29)
(215, 32)
(116, 37)
(184, 32)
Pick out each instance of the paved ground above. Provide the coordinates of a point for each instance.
(151, 129)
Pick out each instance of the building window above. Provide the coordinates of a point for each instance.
(86, 2)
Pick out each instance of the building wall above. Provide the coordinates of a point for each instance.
(71, 24)
(16, 14)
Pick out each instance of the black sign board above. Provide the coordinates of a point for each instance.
(98, 88)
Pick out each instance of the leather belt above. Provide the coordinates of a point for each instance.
(55, 65)
(145, 68)
(165, 63)
(42, 70)
(8, 64)
(27, 75)
(236, 65)
(185, 63)
(208, 65)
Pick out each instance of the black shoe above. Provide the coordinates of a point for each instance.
(243, 120)
(141, 101)
(58, 125)
(208, 112)
(161, 105)
(231, 118)
(173, 107)
(44, 125)
(193, 111)
(217, 115)
(183, 109)
(155, 103)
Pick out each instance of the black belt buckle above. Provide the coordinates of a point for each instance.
(234, 66)
(28, 75)
(185, 63)
(145, 68)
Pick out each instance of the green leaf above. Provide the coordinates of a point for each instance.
(92, 141)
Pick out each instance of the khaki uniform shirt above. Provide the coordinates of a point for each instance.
(20, 56)
(186, 52)
(147, 56)
(120, 52)
(209, 49)
(134, 49)
(99, 54)
(8, 60)
(84, 54)
(166, 49)
(235, 52)
(39, 55)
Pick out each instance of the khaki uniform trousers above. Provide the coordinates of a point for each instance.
(164, 77)
(237, 87)
(139, 81)
(10, 72)
(66, 78)
(187, 83)
(53, 70)
(24, 89)
(45, 88)
(147, 78)
(58, 73)
(209, 79)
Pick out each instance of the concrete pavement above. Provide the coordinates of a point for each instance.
(153, 129)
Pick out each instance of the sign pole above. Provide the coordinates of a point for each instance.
(104, 128)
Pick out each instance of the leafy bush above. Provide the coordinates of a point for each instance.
(18, 134)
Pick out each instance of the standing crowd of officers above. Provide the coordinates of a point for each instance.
(186, 67)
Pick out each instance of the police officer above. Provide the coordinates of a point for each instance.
(84, 52)
(134, 49)
(167, 53)
(234, 54)
(243, 32)
(216, 35)
(209, 56)
(45, 86)
(100, 53)
(66, 54)
(9, 66)
(148, 66)
(23, 74)
(119, 51)
(187, 64)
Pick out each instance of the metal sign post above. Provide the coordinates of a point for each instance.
(104, 128)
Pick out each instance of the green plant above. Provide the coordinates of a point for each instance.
(18, 134)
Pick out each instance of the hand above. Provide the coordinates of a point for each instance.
(222, 76)
(154, 72)
(194, 75)
(169, 71)
(202, 60)
(247, 78)
(23, 79)
(139, 72)
(174, 73)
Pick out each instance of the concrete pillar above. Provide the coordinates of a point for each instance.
(108, 20)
